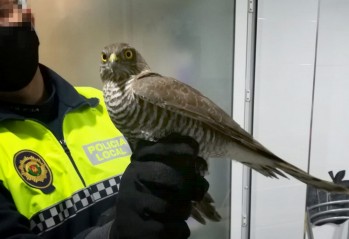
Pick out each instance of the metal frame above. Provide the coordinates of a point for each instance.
(327, 216)
(244, 67)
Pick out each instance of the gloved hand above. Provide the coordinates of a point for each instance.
(157, 188)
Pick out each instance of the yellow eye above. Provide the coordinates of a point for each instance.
(128, 54)
(104, 57)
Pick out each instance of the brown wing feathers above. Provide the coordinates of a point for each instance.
(176, 96)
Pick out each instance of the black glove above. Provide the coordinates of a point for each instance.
(157, 188)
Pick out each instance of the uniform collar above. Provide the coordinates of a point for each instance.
(65, 93)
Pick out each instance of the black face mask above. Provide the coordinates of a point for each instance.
(19, 48)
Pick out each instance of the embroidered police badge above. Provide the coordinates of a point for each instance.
(32, 168)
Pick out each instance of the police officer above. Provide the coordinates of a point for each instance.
(61, 158)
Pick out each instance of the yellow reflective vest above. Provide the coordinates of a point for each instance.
(51, 180)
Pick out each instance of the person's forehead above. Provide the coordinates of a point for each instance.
(7, 7)
(20, 2)
(13, 12)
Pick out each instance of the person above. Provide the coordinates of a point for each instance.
(66, 171)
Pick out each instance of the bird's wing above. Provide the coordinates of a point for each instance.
(179, 97)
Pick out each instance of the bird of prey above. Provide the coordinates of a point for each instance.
(146, 105)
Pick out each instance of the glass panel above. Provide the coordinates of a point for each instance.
(190, 40)
(285, 53)
(329, 151)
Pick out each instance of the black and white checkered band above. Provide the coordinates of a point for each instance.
(55, 215)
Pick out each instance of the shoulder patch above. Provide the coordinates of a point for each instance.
(33, 169)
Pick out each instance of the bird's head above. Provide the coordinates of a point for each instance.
(119, 62)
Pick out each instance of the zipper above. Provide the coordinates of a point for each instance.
(65, 146)
(67, 151)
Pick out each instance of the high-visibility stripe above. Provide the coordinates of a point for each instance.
(62, 211)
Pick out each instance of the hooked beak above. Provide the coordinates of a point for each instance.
(113, 58)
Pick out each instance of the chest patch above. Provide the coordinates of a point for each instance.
(105, 150)
(33, 170)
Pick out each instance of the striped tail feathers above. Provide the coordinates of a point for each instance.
(266, 170)
(276, 167)
(311, 180)
(265, 162)
(205, 209)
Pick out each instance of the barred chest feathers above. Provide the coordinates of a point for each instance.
(138, 119)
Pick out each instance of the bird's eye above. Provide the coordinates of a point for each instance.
(128, 54)
(104, 57)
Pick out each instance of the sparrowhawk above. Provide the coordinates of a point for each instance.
(146, 105)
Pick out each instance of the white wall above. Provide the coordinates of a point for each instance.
(287, 62)
(285, 50)
(330, 132)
